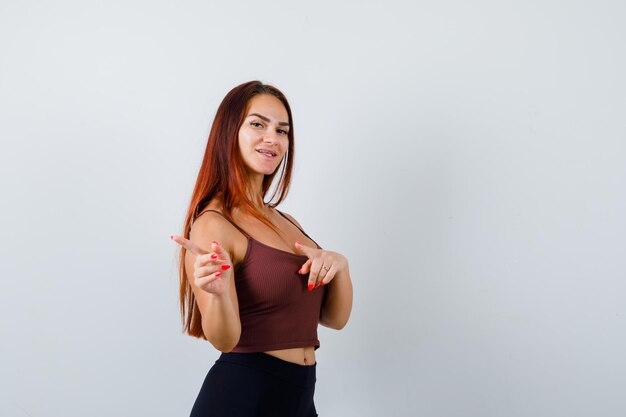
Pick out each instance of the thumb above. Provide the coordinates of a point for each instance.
(306, 268)
(305, 250)
(219, 250)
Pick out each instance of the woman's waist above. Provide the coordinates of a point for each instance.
(303, 356)
(294, 373)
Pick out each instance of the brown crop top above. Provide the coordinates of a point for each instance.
(276, 309)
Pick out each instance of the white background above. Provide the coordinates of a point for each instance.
(467, 157)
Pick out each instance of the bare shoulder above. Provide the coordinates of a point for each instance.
(210, 226)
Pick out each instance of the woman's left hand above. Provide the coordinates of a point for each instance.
(322, 264)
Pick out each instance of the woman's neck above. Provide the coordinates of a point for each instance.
(256, 197)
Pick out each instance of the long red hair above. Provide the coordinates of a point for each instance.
(223, 172)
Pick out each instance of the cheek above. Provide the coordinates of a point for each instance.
(245, 136)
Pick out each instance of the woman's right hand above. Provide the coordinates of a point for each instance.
(212, 270)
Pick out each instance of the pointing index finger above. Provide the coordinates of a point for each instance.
(189, 245)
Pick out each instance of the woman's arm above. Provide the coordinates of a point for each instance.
(220, 312)
(337, 303)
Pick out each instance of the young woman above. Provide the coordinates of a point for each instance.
(252, 282)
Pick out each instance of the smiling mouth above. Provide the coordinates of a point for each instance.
(267, 154)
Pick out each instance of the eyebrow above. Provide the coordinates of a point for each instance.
(267, 119)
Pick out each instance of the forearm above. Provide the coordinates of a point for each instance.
(338, 301)
(220, 322)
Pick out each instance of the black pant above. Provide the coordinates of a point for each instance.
(256, 385)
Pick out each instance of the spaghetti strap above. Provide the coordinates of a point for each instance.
(303, 232)
(230, 221)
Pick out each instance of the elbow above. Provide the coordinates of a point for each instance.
(337, 326)
(223, 346)
(334, 324)
(341, 325)
(225, 349)
(219, 345)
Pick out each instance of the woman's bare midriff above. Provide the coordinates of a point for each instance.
(301, 356)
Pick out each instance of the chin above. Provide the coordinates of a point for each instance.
(266, 171)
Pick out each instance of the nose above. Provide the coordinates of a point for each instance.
(270, 137)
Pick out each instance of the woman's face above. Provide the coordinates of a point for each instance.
(263, 138)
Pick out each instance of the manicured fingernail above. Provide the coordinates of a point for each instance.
(172, 237)
(217, 274)
(310, 287)
(298, 242)
(300, 271)
(225, 267)
(213, 256)
(215, 242)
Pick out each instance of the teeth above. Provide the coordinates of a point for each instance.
(265, 152)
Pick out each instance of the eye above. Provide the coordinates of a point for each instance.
(282, 132)
(256, 124)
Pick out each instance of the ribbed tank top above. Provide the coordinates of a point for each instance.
(276, 309)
